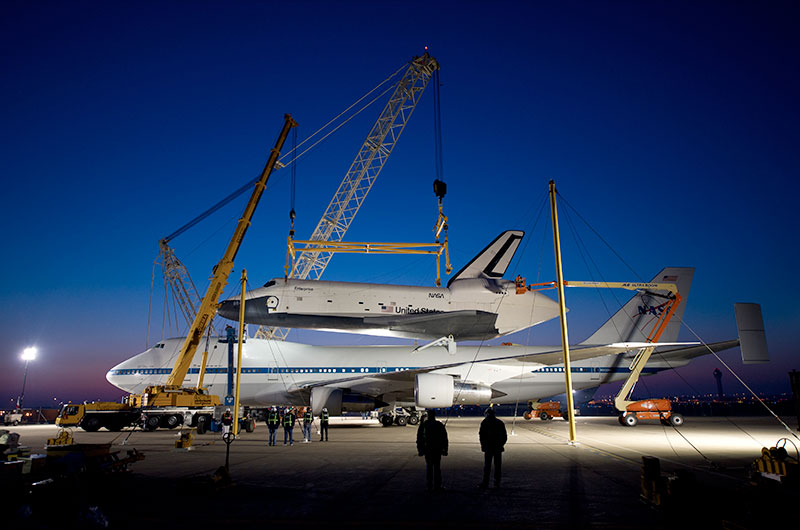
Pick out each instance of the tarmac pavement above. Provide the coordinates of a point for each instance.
(368, 476)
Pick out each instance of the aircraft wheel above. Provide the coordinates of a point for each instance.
(544, 416)
(402, 421)
(413, 419)
(90, 424)
(151, 423)
(676, 420)
(630, 420)
(387, 420)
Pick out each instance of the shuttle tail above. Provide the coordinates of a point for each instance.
(492, 261)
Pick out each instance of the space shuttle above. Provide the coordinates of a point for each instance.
(476, 304)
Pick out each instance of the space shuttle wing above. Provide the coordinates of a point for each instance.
(461, 324)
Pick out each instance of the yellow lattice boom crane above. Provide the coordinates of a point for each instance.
(173, 393)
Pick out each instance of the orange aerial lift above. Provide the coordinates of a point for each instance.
(649, 409)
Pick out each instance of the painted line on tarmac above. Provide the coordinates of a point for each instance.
(583, 445)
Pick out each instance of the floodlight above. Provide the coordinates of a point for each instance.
(29, 354)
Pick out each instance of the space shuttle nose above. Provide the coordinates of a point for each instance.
(229, 309)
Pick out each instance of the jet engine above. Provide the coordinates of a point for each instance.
(437, 390)
(433, 391)
(472, 394)
(329, 398)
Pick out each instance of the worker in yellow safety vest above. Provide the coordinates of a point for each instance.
(308, 420)
(288, 426)
(273, 422)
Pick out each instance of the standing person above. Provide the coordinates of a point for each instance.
(493, 437)
(273, 421)
(323, 424)
(227, 422)
(308, 420)
(432, 444)
(288, 427)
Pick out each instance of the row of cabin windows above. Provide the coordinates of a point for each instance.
(152, 371)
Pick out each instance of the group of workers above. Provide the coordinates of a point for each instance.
(433, 445)
(432, 440)
(287, 418)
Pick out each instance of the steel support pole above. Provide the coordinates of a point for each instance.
(239, 357)
(563, 314)
(21, 399)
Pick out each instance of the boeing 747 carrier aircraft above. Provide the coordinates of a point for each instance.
(361, 378)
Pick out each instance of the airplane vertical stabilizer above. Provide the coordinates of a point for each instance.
(636, 319)
(492, 261)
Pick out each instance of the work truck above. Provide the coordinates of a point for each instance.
(113, 416)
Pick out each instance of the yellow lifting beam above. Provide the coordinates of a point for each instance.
(436, 249)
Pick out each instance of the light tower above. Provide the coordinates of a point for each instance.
(28, 355)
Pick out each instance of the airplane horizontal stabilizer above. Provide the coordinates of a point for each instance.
(696, 351)
(752, 337)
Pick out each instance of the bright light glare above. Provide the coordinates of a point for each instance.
(29, 354)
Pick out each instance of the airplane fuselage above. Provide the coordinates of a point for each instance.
(276, 372)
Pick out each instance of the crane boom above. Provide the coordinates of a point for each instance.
(208, 305)
(363, 172)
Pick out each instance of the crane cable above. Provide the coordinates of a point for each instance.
(437, 126)
(248, 185)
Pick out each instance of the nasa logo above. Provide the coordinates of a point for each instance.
(435, 295)
(652, 310)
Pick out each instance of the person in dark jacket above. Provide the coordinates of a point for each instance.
(432, 444)
(273, 421)
(323, 424)
(227, 422)
(288, 426)
(308, 420)
(493, 437)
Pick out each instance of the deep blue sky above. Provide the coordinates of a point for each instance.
(670, 126)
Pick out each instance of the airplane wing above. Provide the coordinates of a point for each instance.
(465, 325)
(379, 383)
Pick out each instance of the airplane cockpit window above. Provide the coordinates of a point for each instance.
(269, 283)
(159, 345)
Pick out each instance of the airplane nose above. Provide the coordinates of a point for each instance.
(229, 309)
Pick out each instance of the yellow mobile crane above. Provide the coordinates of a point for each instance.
(173, 393)
(114, 416)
